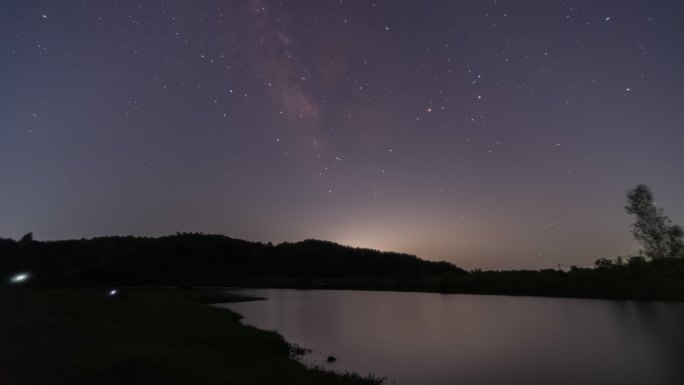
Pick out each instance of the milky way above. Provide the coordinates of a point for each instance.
(493, 134)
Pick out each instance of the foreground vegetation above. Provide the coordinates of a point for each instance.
(141, 337)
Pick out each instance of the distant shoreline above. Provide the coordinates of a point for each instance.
(580, 293)
(188, 260)
(325, 285)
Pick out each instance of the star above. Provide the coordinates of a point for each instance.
(264, 83)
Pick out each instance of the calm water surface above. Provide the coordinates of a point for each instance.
(424, 338)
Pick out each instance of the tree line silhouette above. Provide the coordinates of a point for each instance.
(195, 259)
(201, 259)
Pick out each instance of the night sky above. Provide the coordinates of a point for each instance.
(492, 134)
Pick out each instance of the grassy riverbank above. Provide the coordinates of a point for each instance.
(141, 337)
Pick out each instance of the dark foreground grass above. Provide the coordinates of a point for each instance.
(141, 337)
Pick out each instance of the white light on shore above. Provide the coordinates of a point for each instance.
(20, 278)
(113, 292)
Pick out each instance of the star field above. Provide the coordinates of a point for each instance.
(493, 134)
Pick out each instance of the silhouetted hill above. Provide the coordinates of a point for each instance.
(201, 259)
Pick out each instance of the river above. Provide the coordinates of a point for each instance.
(427, 338)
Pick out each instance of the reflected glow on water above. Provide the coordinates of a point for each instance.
(425, 338)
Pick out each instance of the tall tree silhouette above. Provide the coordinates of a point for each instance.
(652, 228)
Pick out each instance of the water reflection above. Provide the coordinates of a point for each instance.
(422, 338)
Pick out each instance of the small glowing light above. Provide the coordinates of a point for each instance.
(20, 278)
(113, 292)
